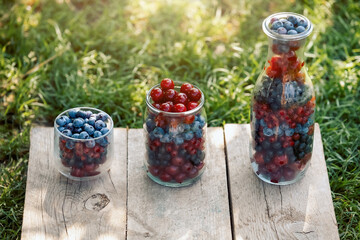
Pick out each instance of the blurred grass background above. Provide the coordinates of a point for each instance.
(60, 54)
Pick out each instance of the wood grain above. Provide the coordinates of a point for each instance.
(58, 208)
(303, 210)
(200, 211)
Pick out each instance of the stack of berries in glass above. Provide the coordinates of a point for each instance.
(283, 109)
(84, 138)
(175, 127)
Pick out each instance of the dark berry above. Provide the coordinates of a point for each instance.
(157, 95)
(185, 88)
(78, 122)
(192, 105)
(166, 84)
(99, 124)
(194, 94)
(276, 24)
(181, 98)
(179, 107)
(169, 95)
(84, 135)
(67, 133)
(292, 32)
(166, 107)
(72, 113)
(281, 30)
(300, 29)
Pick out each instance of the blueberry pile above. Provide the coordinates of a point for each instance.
(84, 141)
(290, 25)
(175, 144)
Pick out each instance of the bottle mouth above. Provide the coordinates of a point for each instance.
(283, 15)
(174, 114)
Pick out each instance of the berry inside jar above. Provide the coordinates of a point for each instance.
(84, 140)
(283, 105)
(175, 128)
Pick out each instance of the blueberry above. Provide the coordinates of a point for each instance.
(289, 26)
(301, 154)
(262, 123)
(158, 132)
(289, 151)
(78, 122)
(199, 133)
(102, 116)
(202, 121)
(280, 152)
(300, 29)
(258, 148)
(84, 135)
(97, 134)
(280, 132)
(284, 48)
(196, 125)
(61, 129)
(103, 141)
(89, 129)
(81, 114)
(289, 132)
(72, 113)
(104, 130)
(77, 130)
(76, 135)
(150, 124)
(79, 164)
(178, 140)
(266, 144)
(88, 114)
(165, 138)
(188, 135)
(70, 144)
(292, 32)
(281, 30)
(302, 23)
(99, 124)
(276, 25)
(276, 145)
(304, 130)
(92, 121)
(200, 154)
(292, 19)
(267, 158)
(61, 121)
(284, 126)
(302, 146)
(67, 133)
(187, 127)
(268, 132)
(70, 126)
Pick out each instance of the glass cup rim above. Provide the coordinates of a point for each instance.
(88, 139)
(284, 37)
(174, 114)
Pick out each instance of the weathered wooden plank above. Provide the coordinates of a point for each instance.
(303, 210)
(200, 211)
(58, 208)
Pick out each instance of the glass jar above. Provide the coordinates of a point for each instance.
(283, 104)
(175, 143)
(83, 143)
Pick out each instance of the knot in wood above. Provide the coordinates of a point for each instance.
(96, 202)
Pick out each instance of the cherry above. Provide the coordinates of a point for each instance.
(259, 158)
(181, 98)
(193, 172)
(156, 105)
(194, 94)
(172, 170)
(167, 83)
(192, 105)
(77, 172)
(157, 95)
(155, 171)
(179, 107)
(189, 119)
(180, 177)
(281, 160)
(186, 168)
(165, 177)
(170, 94)
(271, 167)
(91, 167)
(185, 88)
(166, 107)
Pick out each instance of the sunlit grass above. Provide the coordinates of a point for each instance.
(59, 54)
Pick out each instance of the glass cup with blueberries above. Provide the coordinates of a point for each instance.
(83, 143)
(283, 104)
(175, 133)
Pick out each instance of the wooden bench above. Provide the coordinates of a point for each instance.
(228, 202)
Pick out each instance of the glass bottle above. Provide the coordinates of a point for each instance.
(83, 159)
(283, 104)
(175, 143)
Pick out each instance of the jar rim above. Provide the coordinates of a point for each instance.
(274, 35)
(174, 114)
(88, 139)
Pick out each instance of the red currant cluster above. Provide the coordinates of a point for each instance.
(82, 160)
(167, 99)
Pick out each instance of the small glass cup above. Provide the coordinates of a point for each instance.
(175, 143)
(83, 159)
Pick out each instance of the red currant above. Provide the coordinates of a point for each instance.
(165, 177)
(155, 171)
(192, 105)
(281, 160)
(157, 95)
(180, 177)
(179, 107)
(167, 83)
(185, 88)
(259, 158)
(186, 168)
(170, 94)
(172, 170)
(194, 94)
(181, 98)
(177, 161)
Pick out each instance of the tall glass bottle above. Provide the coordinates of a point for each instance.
(283, 104)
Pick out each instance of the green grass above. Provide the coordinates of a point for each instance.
(107, 54)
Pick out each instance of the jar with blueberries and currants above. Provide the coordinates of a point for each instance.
(175, 128)
(83, 143)
(283, 104)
